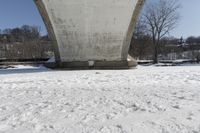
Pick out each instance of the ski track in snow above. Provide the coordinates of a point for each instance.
(142, 100)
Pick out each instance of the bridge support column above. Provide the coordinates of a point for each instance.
(90, 33)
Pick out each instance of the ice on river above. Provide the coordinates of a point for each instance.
(143, 100)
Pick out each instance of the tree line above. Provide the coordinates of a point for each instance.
(142, 48)
(25, 42)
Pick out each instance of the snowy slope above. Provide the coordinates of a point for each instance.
(142, 100)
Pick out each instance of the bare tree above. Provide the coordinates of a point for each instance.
(160, 18)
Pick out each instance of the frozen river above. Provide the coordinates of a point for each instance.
(143, 100)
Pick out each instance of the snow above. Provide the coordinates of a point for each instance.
(143, 100)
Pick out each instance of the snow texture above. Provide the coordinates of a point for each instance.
(142, 100)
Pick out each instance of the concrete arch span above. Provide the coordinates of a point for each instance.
(90, 33)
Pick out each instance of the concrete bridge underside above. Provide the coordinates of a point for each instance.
(90, 33)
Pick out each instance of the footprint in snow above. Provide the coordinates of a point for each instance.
(176, 106)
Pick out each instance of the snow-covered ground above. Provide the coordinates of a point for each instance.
(142, 100)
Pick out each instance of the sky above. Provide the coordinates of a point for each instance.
(189, 24)
(15, 13)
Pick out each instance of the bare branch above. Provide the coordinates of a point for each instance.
(160, 18)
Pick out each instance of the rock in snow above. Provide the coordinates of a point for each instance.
(142, 100)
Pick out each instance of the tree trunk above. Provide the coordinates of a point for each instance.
(155, 56)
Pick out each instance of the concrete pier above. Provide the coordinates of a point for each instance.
(90, 33)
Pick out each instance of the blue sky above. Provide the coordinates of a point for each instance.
(190, 19)
(15, 13)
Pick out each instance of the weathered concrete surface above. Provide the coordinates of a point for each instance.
(89, 33)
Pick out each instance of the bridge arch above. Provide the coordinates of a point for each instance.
(90, 33)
